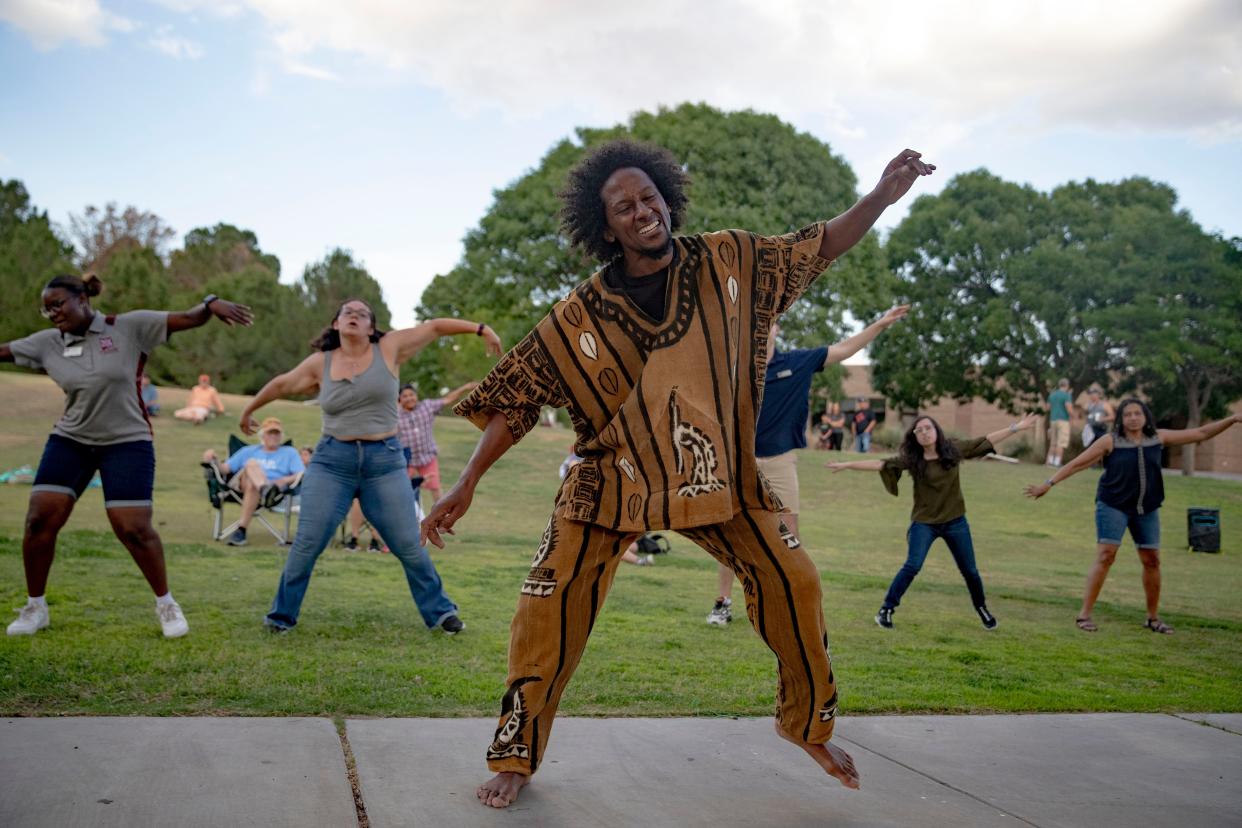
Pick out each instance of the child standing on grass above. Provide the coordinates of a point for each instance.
(933, 460)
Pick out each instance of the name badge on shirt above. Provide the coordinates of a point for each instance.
(73, 350)
(786, 373)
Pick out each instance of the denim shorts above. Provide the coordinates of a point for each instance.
(127, 470)
(1111, 525)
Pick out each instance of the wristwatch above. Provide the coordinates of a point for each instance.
(1013, 428)
(208, 299)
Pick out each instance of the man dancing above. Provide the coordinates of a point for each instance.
(659, 358)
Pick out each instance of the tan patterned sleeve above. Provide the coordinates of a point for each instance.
(521, 384)
(788, 264)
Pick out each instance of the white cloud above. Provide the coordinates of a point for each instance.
(48, 23)
(175, 47)
(1146, 65)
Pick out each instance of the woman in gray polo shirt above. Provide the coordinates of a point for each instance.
(354, 370)
(98, 361)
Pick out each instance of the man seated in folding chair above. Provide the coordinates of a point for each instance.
(258, 477)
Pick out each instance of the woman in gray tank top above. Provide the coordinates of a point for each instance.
(354, 369)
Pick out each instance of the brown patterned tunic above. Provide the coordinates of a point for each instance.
(665, 410)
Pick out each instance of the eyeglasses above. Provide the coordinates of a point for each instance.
(51, 308)
(924, 430)
(357, 313)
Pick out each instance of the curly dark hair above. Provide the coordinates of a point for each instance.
(1149, 421)
(329, 338)
(912, 453)
(582, 216)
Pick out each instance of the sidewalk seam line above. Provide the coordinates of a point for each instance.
(351, 776)
(979, 799)
(1212, 725)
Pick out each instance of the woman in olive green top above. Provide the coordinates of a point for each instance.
(932, 460)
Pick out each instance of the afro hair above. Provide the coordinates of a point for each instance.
(582, 217)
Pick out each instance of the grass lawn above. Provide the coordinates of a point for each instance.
(362, 650)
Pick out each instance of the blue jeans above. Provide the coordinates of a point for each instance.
(374, 472)
(920, 536)
(862, 442)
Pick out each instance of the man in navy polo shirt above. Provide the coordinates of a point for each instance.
(781, 429)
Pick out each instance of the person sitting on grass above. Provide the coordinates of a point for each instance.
(260, 472)
(933, 461)
(1128, 496)
(150, 397)
(204, 402)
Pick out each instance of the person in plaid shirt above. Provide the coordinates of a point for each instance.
(414, 423)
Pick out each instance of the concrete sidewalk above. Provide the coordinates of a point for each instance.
(1035, 770)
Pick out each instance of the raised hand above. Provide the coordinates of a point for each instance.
(900, 175)
(894, 314)
(231, 313)
(494, 346)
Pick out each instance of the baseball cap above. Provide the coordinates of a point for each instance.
(271, 424)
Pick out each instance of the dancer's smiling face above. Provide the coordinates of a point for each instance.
(637, 217)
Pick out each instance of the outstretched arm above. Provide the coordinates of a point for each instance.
(230, 313)
(303, 379)
(1026, 423)
(451, 397)
(1094, 453)
(496, 440)
(845, 230)
(857, 465)
(404, 344)
(1184, 436)
(846, 348)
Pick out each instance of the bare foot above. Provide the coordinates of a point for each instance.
(501, 790)
(835, 761)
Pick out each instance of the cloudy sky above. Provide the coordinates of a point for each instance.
(383, 126)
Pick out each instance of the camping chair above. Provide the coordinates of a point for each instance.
(278, 501)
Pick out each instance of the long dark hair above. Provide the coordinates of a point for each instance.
(911, 452)
(1149, 422)
(329, 338)
(87, 286)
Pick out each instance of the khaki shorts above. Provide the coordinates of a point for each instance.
(1059, 433)
(782, 472)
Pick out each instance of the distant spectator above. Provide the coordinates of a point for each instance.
(258, 472)
(836, 420)
(1100, 414)
(415, 420)
(1059, 402)
(204, 402)
(150, 397)
(823, 433)
(863, 424)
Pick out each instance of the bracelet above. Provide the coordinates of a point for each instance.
(1013, 428)
(479, 332)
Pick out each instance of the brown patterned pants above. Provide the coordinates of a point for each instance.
(570, 578)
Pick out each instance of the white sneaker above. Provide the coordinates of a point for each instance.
(30, 619)
(172, 619)
(721, 614)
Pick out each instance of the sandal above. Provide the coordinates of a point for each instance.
(1086, 624)
(1157, 626)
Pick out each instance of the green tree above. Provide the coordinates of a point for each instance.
(211, 251)
(337, 279)
(30, 254)
(748, 170)
(1007, 286)
(1180, 327)
(100, 233)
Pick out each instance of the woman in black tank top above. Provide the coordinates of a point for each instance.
(1128, 498)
